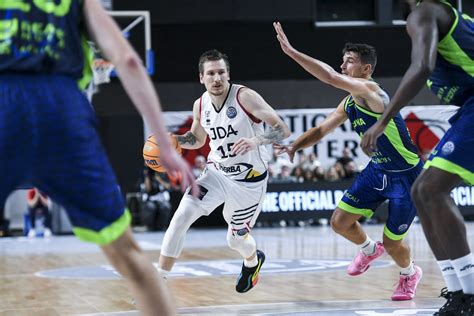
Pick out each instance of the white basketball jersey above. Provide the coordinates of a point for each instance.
(225, 127)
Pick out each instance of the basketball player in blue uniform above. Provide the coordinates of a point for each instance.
(443, 58)
(388, 176)
(48, 127)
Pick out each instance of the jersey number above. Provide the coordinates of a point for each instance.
(229, 149)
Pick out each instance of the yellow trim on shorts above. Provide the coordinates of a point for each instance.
(354, 210)
(451, 167)
(393, 236)
(107, 234)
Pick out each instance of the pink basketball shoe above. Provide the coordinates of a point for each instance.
(407, 286)
(361, 261)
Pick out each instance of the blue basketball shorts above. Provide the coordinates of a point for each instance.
(48, 139)
(454, 152)
(373, 187)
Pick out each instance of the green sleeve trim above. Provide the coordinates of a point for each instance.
(450, 167)
(87, 67)
(107, 234)
(450, 50)
(394, 138)
(360, 211)
(393, 236)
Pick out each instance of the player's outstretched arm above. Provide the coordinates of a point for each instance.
(276, 131)
(423, 31)
(136, 82)
(320, 69)
(315, 134)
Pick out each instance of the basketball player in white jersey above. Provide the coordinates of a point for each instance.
(236, 173)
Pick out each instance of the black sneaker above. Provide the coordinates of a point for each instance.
(248, 278)
(454, 302)
(467, 308)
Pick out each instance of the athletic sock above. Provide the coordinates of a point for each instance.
(251, 263)
(449, 275)
(464, 268)
(368, 246)
(410, 270)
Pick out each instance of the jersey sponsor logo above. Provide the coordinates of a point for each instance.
(220, 132)
(358, 122)
(235, 169)
(231, 112)
(448, 148)
(211, 268)
(351, 197)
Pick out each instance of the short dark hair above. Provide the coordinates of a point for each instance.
(212, 55)
(367, 53)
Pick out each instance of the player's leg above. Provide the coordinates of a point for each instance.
(77, 175)
(346, 224)
(360, 200)
(189, 210)
(241, 214)
(441, 219)
(132, 263)
(401, 215)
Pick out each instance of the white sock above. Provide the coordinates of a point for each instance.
(251, 263)
(464, 268)
(163, 273)
(410, 270)
(368, 246)
(449, 275)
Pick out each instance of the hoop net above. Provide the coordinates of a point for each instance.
(101, 70)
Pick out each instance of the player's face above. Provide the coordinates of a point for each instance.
(215, 77)
(352, 65)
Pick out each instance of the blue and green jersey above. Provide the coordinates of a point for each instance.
(453, 77)
(43, 36)
(396, 150)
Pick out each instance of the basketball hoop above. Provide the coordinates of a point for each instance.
(102, 69)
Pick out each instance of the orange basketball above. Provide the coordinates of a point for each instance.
(151, 152)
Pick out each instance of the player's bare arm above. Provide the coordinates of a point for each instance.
(321, 70)
(259, 108)
(196, 137)
(315, 134)
(423, 31)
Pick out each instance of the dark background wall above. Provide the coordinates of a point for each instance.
(183, 29)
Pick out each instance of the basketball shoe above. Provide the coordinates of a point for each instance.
(407, 284)
(248, 277)
(454, 302)
(467, 308)
(361, 261)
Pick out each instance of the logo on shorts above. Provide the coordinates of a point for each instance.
(231, 112)
(402, 227)
(447, 148)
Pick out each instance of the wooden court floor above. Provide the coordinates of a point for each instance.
(304, 274)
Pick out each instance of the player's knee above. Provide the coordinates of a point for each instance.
(180, 221)
(421, 190)
(126, 257)
(234, 241)
(338, 224)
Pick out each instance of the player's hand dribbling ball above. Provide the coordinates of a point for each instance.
(151, 152)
